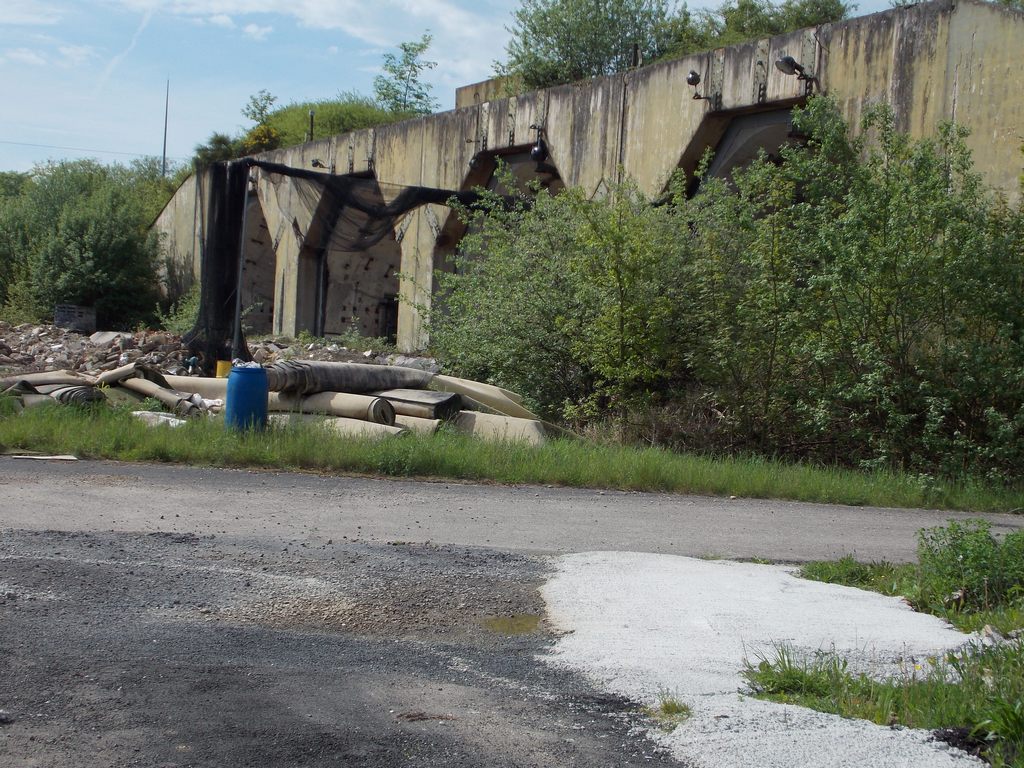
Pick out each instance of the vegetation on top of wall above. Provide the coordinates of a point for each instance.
(400, 94)
(400, 89)
(562, 41)
(857, 303)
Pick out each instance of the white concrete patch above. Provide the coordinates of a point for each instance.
(641, 624)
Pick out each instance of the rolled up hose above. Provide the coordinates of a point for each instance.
(204, 386)
(414, 424)
(423, 403)
(44, 377)
(178, 402)
(343, 404)
(500, 429)
(77, 394)
(307, 377)
(487, 394)
(345, 427)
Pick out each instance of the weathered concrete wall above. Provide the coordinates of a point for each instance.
(179, 227)
(258, 272)
(932, 62)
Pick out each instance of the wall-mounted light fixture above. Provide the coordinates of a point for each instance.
(539, 151)
(693, 80)
(714, 99)
(787, 65)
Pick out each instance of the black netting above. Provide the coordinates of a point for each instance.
(221, 206)
(330, 213)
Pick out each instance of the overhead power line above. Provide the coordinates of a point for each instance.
(84, 149)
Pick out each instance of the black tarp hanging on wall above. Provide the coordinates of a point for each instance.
(351, 213)
(222, 204)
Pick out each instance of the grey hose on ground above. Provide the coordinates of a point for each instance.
(343, 404)
(423, 403)
(307, 377)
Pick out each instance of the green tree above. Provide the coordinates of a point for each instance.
(78, 234)
(11, 183)
(218, 148)
(262, 136)
(571, 300)
(401, 89)
(259, 106)
(560, 41)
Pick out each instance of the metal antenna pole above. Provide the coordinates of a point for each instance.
(167, 104)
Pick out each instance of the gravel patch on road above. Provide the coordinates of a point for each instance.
(205, 651)
(643, 625)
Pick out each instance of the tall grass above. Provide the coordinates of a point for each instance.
(968, 577)
(964, 575)
(115, 434)
(976, 693)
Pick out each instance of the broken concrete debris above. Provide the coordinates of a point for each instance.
(389, 395)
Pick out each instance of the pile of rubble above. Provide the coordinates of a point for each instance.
(28, 348)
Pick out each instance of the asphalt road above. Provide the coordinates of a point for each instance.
(170, 616)
(105, 496)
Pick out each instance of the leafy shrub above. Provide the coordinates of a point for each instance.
(572, 301)
(963, 567)
(852, 301)
(959, 564)
(77, 234)
(181, 316)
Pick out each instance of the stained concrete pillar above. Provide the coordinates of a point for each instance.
(419, 237)
(294, 275)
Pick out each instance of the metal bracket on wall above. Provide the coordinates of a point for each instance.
(716, 80)
(512, 121)
(809, 58)
(761, 72)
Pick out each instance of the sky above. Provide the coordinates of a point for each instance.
(88, 78)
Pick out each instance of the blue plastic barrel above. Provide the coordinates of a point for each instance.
(246, 406)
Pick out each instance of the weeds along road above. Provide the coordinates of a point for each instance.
(168, 616)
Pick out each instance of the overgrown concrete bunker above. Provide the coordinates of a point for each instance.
(934, 62)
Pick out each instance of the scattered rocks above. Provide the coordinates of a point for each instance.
(28, 348)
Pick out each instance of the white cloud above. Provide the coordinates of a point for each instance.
(76, 55)
(25, 56)
(28, 13)
(332, 49)
(468, 35)
(114, 62)
(383, 23)
(222, 20)
(257, 32)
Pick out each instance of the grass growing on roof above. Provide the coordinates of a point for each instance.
(115, 434)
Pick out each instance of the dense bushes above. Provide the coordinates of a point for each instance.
(561, 41)
(858, 302)
(76, 232)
